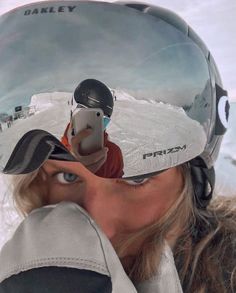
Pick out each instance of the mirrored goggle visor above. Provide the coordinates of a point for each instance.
(155, 72)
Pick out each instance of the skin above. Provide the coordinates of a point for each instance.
(117, 206)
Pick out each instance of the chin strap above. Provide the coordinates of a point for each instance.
(203, 182)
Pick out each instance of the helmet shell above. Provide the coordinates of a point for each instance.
(93, 93)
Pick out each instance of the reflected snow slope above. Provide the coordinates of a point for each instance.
(135, 126)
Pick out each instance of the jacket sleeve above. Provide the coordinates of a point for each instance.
(64, 138)
(114, 165)
(118, 166)
(61, 249)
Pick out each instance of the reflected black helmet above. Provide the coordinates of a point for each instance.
(93, 93)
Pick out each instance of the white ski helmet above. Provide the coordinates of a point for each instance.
(170, 105)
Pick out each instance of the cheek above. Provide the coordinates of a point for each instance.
(150, 203)
(130, 209)
(145, 211)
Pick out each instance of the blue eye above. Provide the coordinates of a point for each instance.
(67, 178)
(138, 181)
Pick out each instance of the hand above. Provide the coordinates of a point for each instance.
(93, 161)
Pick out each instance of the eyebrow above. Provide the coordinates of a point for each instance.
(51, 168)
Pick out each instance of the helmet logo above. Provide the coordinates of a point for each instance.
(223, 111)
(165, 152)
(50, 9)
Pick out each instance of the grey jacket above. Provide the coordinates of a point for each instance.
(65, 236)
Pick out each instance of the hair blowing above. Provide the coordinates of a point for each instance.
(205, 246)
(205, 240)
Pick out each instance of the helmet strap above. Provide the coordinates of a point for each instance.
(203, 179)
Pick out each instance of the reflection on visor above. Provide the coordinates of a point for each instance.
(159, 79)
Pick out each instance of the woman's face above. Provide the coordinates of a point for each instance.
(118, 207)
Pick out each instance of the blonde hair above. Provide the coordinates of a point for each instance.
(209, 249)
(205, 250)
(25, 191)
(147, 260)
(205, 247)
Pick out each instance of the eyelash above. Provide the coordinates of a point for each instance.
(137, 183)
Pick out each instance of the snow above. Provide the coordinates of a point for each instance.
(226, 163)
(128, 122)
(9, 218)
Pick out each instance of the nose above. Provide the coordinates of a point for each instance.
(98, 201)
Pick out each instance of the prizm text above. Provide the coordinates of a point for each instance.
(165, 152)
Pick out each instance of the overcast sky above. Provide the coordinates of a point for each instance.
(213, 20)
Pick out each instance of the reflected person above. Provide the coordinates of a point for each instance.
(92, 93)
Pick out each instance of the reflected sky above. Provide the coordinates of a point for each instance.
(54, 52)
(214, 21)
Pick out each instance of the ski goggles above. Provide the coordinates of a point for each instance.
(160, 79)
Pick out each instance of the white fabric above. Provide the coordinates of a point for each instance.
(166, 280)
(64, 235)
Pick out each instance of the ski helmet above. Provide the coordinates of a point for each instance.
(170, 105)
(93, 93)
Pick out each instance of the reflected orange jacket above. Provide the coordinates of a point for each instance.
(113, 167)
